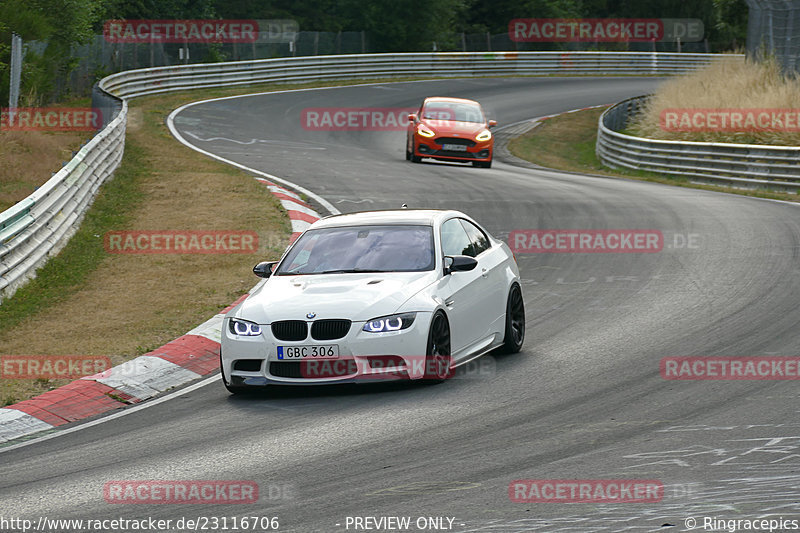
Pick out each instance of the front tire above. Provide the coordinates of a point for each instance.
(515, 321)
(231, 388)
(482, 164)
(412, 156)
(438, 360)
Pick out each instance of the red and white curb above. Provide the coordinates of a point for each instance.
(185, 359)
(300, 213)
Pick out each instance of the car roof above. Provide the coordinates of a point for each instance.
(426, 217)
(450, 99)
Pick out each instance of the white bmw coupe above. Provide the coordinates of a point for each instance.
(401, 294)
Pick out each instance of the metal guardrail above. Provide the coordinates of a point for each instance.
(748, 166)
(457, 64)
(39, 226)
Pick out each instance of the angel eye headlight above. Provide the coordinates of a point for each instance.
(425, 132)
(485, 135)
(244, 327)
(390, 323)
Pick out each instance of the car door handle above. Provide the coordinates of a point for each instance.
(484, 273)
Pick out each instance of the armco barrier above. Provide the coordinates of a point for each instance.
(738, 165)
(457, 64)
(40, 225)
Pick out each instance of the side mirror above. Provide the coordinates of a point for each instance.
(264, 269)
(492, 123)
(459, 263)
(412, 117)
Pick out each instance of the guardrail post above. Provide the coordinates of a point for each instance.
(16, 71)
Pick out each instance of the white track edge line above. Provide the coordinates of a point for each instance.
(123, 412)
(322, 201)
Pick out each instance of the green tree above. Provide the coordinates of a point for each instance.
(59, 24)
(494, 16)
(159, 9)
(264, 9)
(730, 24)
(404, 25)
(725, 21)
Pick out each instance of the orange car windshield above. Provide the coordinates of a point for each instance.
(453, 111)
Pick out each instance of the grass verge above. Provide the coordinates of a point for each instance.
(567, 142)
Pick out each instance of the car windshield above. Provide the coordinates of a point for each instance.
(457, 111)
(354, 249)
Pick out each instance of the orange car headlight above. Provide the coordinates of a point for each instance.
(424, 131)
(485, 135)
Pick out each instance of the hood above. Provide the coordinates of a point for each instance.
(449, 127)
(358, 297)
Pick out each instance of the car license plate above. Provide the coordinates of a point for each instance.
(455, 147)
(295, 353)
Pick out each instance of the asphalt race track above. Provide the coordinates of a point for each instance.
(584, 400)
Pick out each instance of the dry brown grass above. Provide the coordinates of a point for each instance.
(28, 159)
(726, 84)
(134, 303)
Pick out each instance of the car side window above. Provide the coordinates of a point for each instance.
(480, 242)
(455, 240)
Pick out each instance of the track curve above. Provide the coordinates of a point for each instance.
(584, 400)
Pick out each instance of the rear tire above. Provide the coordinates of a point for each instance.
(438, 360)
(515, 321)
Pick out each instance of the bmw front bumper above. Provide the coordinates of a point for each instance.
(363, 357)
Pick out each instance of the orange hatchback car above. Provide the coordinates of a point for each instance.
(450, 129)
